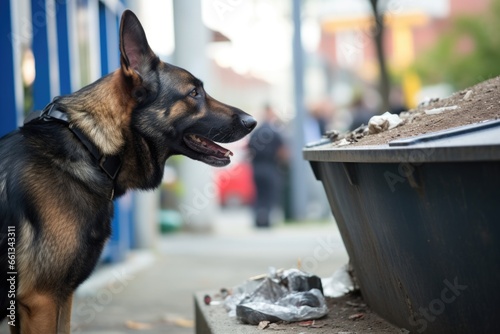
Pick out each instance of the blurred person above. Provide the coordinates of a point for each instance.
(361, 114)
(316, 122)
(268, 154)
(318, 119)
(397, 101)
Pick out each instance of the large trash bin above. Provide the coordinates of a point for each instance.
(420, 218)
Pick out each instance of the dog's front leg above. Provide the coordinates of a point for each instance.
(64, 318)
(38, 314)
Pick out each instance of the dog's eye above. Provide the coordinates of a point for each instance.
(194, 93)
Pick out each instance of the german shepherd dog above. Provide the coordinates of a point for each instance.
(60, 171)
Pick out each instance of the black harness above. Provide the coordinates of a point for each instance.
(110, 164)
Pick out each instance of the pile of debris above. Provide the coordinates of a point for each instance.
(476, 104)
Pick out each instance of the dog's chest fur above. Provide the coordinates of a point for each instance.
(62, 221)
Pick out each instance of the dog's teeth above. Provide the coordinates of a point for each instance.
(228, 153)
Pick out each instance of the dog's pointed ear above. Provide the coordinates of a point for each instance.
(136, 54)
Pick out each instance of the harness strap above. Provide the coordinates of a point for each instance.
(110, 164)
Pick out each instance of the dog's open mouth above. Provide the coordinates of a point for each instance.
(210, 152)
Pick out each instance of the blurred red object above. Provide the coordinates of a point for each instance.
(235, 184)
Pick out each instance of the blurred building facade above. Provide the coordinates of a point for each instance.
(411, 27)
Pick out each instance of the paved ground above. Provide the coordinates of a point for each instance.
(153, 293)
(159, 297)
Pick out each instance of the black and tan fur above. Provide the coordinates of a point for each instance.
(58, 198)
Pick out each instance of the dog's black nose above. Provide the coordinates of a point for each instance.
(248, 122)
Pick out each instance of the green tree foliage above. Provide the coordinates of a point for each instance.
(444, 63)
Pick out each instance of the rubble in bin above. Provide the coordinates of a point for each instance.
(376, 124)
(343, 139)
(387, 121)
(469, 106)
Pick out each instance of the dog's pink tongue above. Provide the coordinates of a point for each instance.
(219, 150)
(210, 145)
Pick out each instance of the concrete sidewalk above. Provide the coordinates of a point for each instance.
(158, 297)
(153, 292)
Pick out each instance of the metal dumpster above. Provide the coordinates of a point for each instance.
(420, 218)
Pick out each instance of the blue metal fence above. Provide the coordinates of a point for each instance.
(63, 47)
(40, 45)
(7, 88)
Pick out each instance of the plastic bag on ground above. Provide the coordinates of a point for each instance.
(289, 296)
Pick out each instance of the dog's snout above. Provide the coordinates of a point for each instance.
(248, 122)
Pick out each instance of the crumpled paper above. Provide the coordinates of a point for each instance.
(339, 284)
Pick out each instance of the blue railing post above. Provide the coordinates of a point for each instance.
(122, 234)
(44, 43)
(7, 87)
(63, 48)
